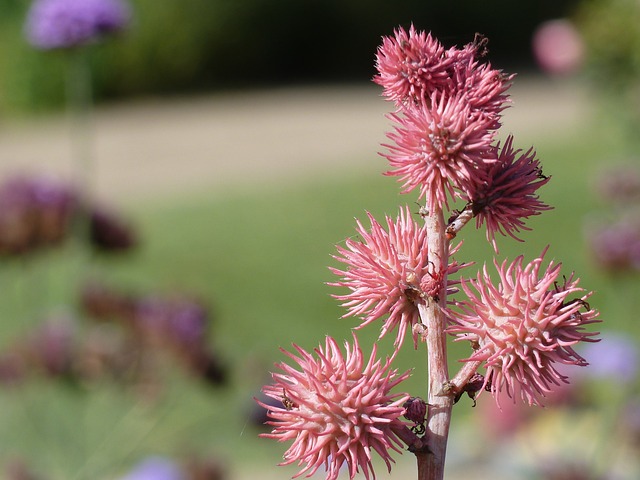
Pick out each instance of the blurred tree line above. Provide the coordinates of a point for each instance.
(177, 46)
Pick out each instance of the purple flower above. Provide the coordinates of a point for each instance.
(155, 468)
(614, 357)
(620, 185)
(53, 24)
(616, 247)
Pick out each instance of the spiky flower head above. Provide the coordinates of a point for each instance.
(438, 148)
(337, 409)
(484, 87)
(53, 24)
(388, 273)
(449, 107)
(411, 65)
(524, 328)
(506, 194)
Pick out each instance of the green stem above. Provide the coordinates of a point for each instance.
(79, 104)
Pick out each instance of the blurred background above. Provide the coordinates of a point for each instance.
(229, 148)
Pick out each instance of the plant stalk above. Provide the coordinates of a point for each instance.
(79, 105)
(431, 462)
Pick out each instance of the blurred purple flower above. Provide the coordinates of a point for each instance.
(110, 233)
(52, 346)
(18, 469)
(188, 323)
(614, 357)
(617, 246)
(620, 185)
(53, 24)
(155, 468)
(631, 420)
(35, 211)
(38, 211)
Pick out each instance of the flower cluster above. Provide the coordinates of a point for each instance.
(336, 409)
(39, 212)
(615, 241)
(449, 105)
(54, 24)
(152, 327)
(173, 323)
(525, 327)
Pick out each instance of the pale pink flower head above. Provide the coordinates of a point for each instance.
(505, 195)
(385, 273)
(438, 148)
(336, 409)
(411, 65)
(525, 328)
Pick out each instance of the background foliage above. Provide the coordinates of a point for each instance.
(190, 45)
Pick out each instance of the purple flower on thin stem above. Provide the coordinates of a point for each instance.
(523, 327)
(388, 272)
(53, 24)
(336, 409)
(507, 193)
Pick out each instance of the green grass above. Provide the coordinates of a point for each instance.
(259, 258)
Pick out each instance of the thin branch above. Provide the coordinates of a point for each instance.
(459, 221)
(457, 383)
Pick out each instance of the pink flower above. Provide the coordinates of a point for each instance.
(386, 271)
(336, 409)
(506, 195)
(523, 327)
(484, 87)
(439, 148)
(411, 65)
(558, 47)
